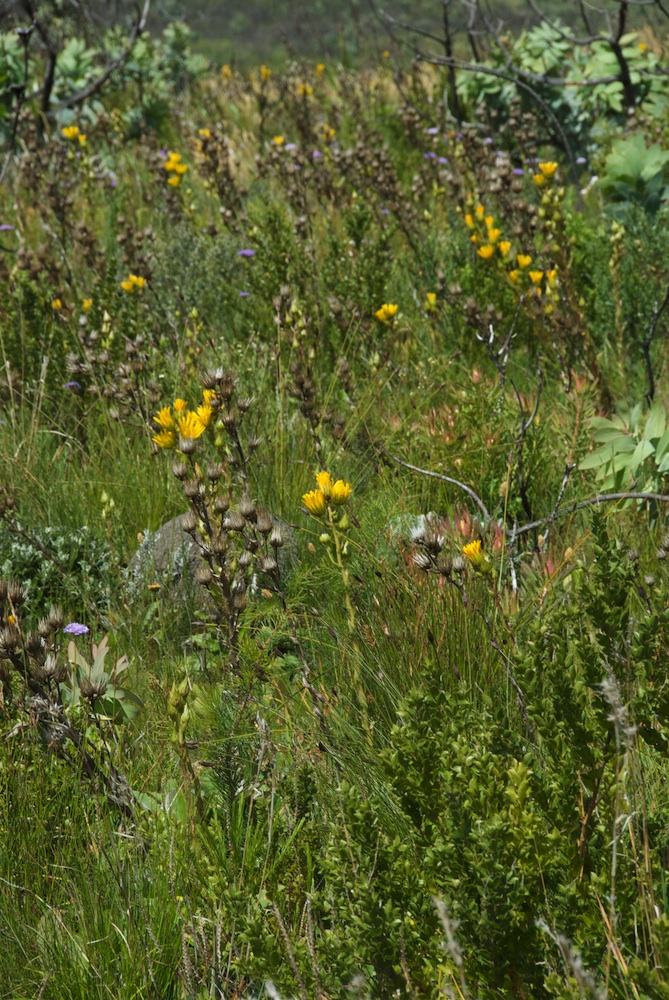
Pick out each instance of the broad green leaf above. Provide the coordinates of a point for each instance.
(656, 423)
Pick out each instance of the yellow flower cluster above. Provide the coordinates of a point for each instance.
(188, 423)
(304, 90)
(430, 304)
(278, 140)
(545, 173)
(265, 73)
(485, 232)
(175, 168)
(328, 492)
(72, 133)
(386, 314)
(132, 282)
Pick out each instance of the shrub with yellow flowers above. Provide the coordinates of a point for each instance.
(327, 505)
(238, 540)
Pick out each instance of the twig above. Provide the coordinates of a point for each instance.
(446, 479)
(645, 345)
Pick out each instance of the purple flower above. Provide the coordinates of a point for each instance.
(243, 295)
(76, 386)
(579, 159)
(442, 160)
(432, 131)
(459, 135)
(5, 228)
(317, 155)
(518, 172)
(246, 253)
(488, 139)
(429, 156)
(114, 182)
(383, 210)
(290, 146)
(76, 628)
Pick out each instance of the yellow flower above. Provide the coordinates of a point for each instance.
(341, 491)
(127, 285)
(174, 180)
(431, 302)
(56, 305)
(642, 46)
(489, 221)
(82, 139)
(180, 168)
(204, 133)
(486, 251)
(474, 238)
(477, 557)
(328, 133)
(140, 282)
(539, 180)
(514, 275)
(205, 414)
(494, 235)
(165, 439)
(480, 211)
(208, 395)
(325, 483)
(70, 132)
(226, 72)
(190, 425)
(469, 220)
(278, 140)
(504, 246)
(86, 304)
(536, 276)
(548, 169)
(315, 502)
(265, 73)
(164, 419)
(304, 90)
(320, 69)
(552, 276)
(523, 260)
(180, 405)
(386, 54)
(386, 313)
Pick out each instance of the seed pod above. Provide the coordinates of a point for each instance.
(234, 521)
(189, 523)
(276, 539)
(187, 446)
(268, 564)
(247, 509)
(180, 470)
(203, 575)
(422, 560)
(44, 628)
(264, 522)
(56, 618)
(245, 559)
(214, 471)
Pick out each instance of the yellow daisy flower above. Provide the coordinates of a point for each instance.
(315, 502)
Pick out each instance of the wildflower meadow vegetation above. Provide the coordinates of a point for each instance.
(334, 536)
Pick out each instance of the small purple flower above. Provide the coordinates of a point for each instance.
(432, 131)
(429, 156)
(383, 210)
(162, 152)
(246, 253)
(442, 160)
(290, 146)
(518, 172)
(317, 155)
(579, 159)
(75, 386)
(459, 135)
(6, 228)
(113, 182)
(243, 295)
(488, 139)
(76, 628)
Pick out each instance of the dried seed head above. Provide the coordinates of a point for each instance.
(180, 470)
(276, 539)
(444, 565)
(253, 443)
(210, 378)
(56, 618)
(239, 602)
(227, 385)
(10, 638)
(91, 689)
(649, 580)
(15, 592)
(214, 471)
(263, 522)
(244, 404)
(245, 559)
(34, 644)
(661, 554)
(203, 575)
(193, 489)
(422, 560)
(54, 670)
(221, 504)
(189, 523)
(187, 446)
(268, 564)
(234, 521)
(459, 564)
(229, 419)
(44, 628)
(247, 508)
